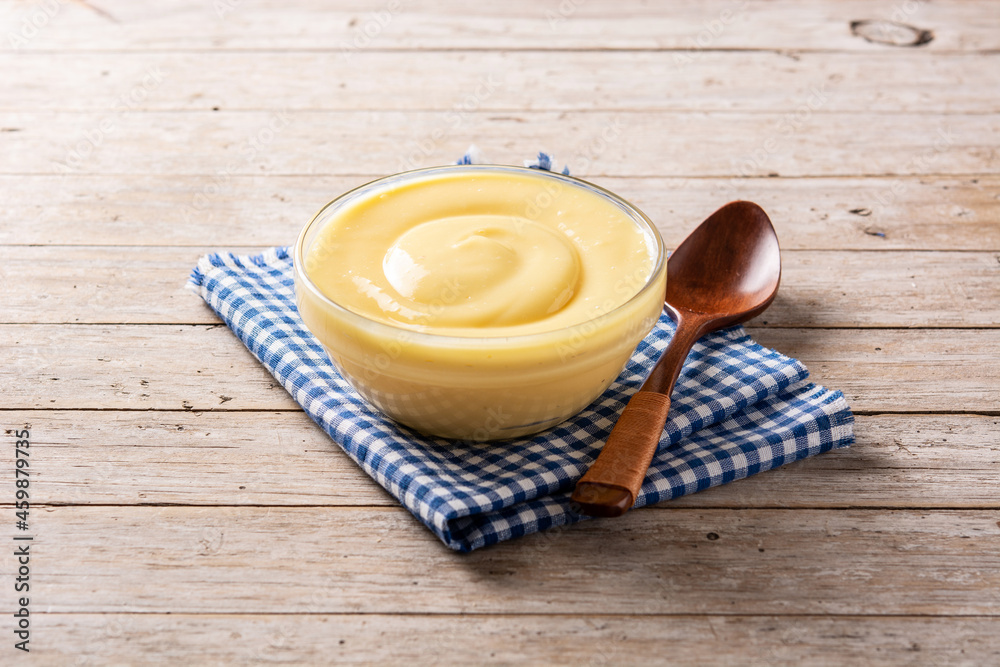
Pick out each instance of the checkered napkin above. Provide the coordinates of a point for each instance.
(738, 409)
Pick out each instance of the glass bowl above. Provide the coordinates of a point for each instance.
(479, 387)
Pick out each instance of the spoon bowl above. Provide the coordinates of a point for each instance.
(726, 272)
(730, 265)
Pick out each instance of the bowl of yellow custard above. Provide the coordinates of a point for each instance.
(479, 302)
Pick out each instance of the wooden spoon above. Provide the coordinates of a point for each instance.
(726, 272)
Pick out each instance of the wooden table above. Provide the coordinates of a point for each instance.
(186, 511)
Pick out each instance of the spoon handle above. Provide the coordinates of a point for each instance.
(611, 485)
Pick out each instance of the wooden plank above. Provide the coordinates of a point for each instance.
(908, 213)
(85, 284)
(282, 458)
(453, 24)
(520, 639)
(253, 458)
(500, 81)
(171, 367)
(919, 289)
(872, 289)
(669, 561)
(805, 142)
(898, 370)
(135, 368)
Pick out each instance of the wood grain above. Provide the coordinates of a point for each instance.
(657, 561)
(499, 81)
(454, 24)
(121, 367)
(125, 368)
(873, 289)
(190, 513)
(281, 458)
(888, 213)
(897, 370)
(801, 142)
(533, 639)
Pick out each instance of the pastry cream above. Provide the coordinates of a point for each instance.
(480, 302)
(481, 255)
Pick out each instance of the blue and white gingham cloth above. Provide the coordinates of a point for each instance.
(737, 409)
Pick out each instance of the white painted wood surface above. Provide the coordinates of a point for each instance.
(187, 512)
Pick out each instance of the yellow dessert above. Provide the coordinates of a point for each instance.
(479, 302)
